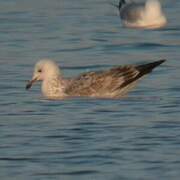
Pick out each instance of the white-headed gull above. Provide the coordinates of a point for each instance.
(146, 15)
(111, 83)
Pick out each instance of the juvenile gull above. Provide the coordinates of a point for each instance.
(146, 15)
(111, 83)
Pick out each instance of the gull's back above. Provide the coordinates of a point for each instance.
(113, 83)
(109, 83)
(132, 11)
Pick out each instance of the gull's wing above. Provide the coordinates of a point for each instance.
(102, 83)
(132, 12)
(110, 83)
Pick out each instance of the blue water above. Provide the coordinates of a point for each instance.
(133, 138)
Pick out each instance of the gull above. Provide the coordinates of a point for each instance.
(146, 15)
(111, 83)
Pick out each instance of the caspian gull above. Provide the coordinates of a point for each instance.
(111, 83)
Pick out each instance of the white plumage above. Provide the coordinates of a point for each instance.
(146, 15)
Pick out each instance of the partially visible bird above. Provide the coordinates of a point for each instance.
(111, 83)
(146, 15)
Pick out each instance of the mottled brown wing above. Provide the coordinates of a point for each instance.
(102, 83)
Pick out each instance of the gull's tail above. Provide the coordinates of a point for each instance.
(147, 68)
(131, 77)
(121, 2)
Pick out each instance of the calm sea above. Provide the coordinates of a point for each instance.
(134, 138)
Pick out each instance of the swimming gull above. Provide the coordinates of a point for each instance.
(111, 83)
(146, 15)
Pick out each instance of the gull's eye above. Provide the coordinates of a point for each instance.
(39, 70)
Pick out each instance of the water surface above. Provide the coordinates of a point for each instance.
(133, 138)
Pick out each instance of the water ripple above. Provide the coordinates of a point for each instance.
(137, 137)
(71, 173)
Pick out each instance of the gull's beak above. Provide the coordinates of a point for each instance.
(30, 83)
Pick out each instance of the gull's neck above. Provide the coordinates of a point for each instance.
(53, 87)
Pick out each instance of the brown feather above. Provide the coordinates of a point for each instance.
(109, 83)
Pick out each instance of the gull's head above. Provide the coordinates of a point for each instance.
(44, 69)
